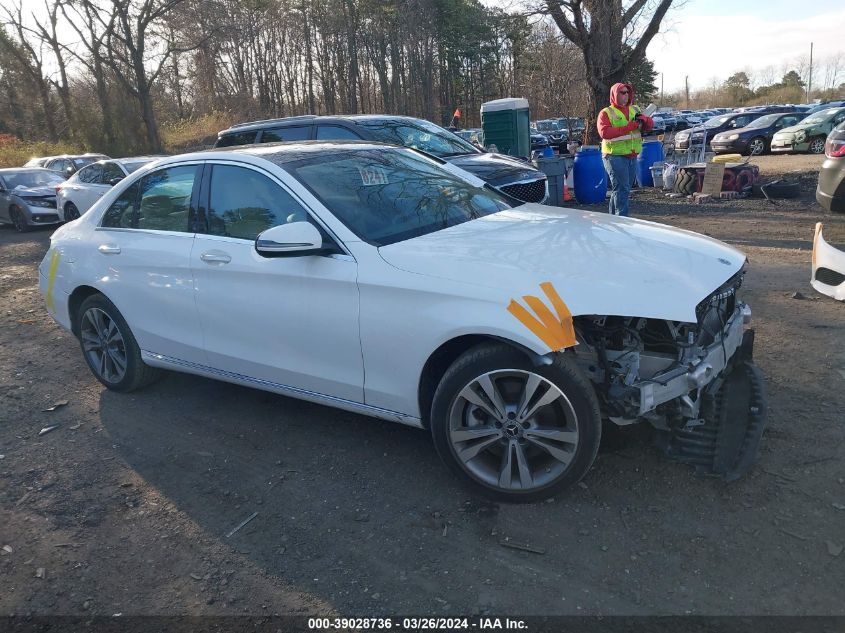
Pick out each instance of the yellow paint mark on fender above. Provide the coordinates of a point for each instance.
(558, 331)
(51, 279)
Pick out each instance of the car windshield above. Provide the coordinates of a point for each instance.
(716, 121)
(389, 196)
(820, 117)
(764, 121)
(547, 126)
(27, 179)
(419, 134)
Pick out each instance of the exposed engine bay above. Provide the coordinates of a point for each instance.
(695, 383)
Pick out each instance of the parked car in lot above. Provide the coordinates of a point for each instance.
(379, 280)
(809, 134)
(28, 197)
(701, 135)
(474, 135)
(825, 106)
(538, 141)
(659, 125)
(510, 175)
(76, 195)
(556, 135)
(830, 192)
(66, 164)
(756, 137)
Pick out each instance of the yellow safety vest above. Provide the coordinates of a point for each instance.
(622, 145)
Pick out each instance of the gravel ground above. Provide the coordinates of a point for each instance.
(128, 505)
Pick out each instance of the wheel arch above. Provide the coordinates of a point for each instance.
(442, 358)
(75, 300)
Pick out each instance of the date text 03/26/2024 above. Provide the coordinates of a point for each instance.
(418, 624)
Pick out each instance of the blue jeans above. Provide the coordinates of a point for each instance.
(622, 171)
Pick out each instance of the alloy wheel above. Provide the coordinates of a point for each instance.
(816, 146)
(18, 220)
(756, 146)
(513, 429)
(103, 344)
(71, 212)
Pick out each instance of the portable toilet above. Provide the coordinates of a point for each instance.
(507, 125)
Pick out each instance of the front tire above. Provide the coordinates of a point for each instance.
(517, 431)
(109, 348)
(19, 220)
(71, 212)
(816, 145)
(757, 146)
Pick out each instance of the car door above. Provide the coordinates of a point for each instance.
(784, 121)
(289, 321)
(142, 261)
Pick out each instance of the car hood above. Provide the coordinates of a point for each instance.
(34, 192)
(496, 169)
(599, 264)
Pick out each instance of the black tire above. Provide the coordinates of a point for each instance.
(19, 220)
(686, 182)
(136, 373)
(816, 145)
(71, 212)
(782, 189)
(754, 144)
(580, 414)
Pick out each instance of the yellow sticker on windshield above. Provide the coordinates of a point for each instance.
(555, 330)
(372, 175)
(51, 279)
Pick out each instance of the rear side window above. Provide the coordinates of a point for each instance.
(111, 174)
(299, 133)
(243, 203)
(90, 175)
(160, 201)
(230, 140)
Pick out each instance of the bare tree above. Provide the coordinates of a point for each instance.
(613, 37)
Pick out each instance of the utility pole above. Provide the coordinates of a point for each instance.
(686, 89)
(810, 80)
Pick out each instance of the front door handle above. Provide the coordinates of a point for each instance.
(109, 249)
(215, 258)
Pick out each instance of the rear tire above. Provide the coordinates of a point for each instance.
(109, 348)
(18, 219)
(537, 434)
(71, 212)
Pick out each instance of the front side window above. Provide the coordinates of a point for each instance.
(389, 195)
(243, 203)
(420, 135)
(112, 173)
(299, 133)
(160, 201)
(90, 175)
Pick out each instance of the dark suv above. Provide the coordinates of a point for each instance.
(702, 134)
(512, 176)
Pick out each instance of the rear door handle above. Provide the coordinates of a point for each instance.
(109, 249)
(215, 258)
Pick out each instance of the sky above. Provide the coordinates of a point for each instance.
(708, 39)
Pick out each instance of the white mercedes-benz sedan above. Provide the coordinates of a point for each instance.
(378, 280)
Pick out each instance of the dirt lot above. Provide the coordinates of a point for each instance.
(127, 506)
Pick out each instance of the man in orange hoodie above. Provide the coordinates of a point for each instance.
(620, 126)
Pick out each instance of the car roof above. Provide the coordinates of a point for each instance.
(288, 151)
(17, 170)
(310, 118)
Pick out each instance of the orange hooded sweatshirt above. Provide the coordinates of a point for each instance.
(607, 131)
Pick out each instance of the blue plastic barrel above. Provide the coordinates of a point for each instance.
(652, 153)
(589, 176)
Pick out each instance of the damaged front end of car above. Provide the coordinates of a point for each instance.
(695, 383)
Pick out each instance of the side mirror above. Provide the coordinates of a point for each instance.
(114, 181)
(289, 240)
(69, 171)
